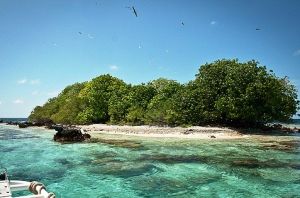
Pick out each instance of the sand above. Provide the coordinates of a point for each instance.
(195, 132)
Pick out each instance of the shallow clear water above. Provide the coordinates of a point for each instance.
(112, 167)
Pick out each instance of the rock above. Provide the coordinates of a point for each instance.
(1, 121)
(86, 136)
(120, 143)
(247, 163)
(277, 126)
(212, 136)
(69, 134)
(12, 123)
(28, 124)
(56, 127)
(174, 159)
(25, 124)
(189, 131)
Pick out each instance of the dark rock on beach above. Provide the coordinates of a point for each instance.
(12, 123)
(25, 124)
(189, 131)
(277, 128)
(69, 134)
(29, 124)
(56, 127)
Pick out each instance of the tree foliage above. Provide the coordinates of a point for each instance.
(223, 92)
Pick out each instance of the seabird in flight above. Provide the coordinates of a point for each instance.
(133, 10)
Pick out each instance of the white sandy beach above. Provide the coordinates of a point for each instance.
(195, 132)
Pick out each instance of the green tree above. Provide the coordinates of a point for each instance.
(161, 110)
(118, 104)
(223, 92)
(96, 96)
(42, 114)
(69, 104)
(243, 93)
(139, 98)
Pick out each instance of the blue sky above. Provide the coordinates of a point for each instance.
(46, 45)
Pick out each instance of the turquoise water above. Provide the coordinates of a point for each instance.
(113, 167)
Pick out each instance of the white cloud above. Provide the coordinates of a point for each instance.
(32, 82)
(22, 81)
(114, 67)
(297, 53)
(213, 22)
(35, 82)
(0, 102)
(18, 101)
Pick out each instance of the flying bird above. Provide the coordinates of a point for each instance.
(257, 29)
(79, 32)
(133, 10)
(182, 23)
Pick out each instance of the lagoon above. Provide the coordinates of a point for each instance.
(117, 166)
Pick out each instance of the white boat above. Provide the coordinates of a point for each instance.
(7, 186)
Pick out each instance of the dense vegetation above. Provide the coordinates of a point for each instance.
(223, 92)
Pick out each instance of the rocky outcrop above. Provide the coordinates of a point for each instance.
(24, 124)
(276, 127)
(69, 134)
(56, 127)
(12, 123)
(30, 124)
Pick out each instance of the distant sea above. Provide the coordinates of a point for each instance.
(13, 119)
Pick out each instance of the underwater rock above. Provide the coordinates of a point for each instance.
(272, 163)
(247, 163)
(174, 159)
(280, 175)
(69, 134)
(292, 143)
(120, 143)
(282, 145)
(125, 169)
